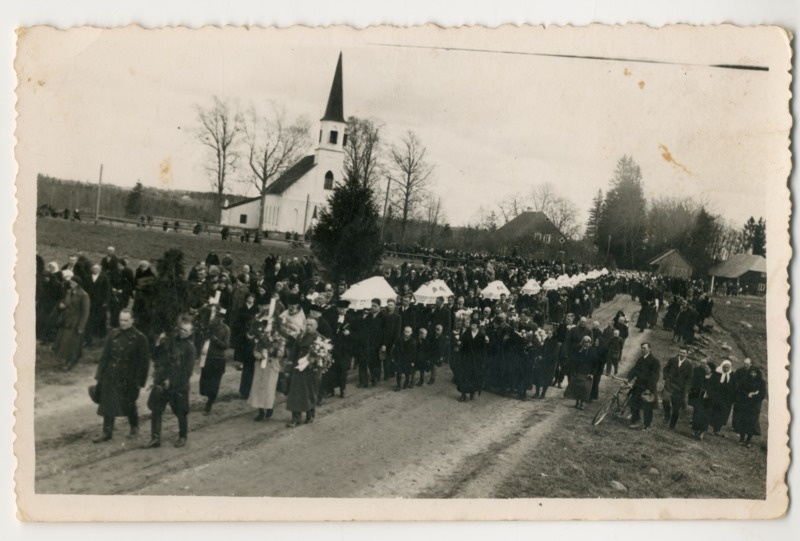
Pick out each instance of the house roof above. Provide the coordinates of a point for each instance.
(659, 258)
(738, 264)
(335, 109)
(526, 223)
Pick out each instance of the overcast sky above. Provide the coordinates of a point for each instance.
(493, 123)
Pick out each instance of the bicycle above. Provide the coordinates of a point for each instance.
(618, 404)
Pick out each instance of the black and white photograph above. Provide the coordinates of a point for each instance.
(400, 270)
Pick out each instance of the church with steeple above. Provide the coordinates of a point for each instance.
(294, 200)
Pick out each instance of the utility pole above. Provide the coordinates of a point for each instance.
(99, 185)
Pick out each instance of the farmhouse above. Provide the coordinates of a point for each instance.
(746, 270)
(293, 200)
(671, 263)
(530, 233)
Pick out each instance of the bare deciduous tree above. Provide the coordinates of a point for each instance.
(433, 214)
(543, 198)
(364, 151)
(409, 175)
(274, 145)
(219, 130)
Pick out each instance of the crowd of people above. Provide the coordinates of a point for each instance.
(278, 317)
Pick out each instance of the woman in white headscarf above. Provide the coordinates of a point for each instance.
(721, 393)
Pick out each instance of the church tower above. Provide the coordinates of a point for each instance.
(332, 133)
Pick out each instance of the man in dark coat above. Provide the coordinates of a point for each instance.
(121, 281)
(342, 347)
(646, 371)
(677, 382)
(172, 368)
(369, 336)
(121, 372)
(405, 356)
(392, 329)
(472, 360)
(109, 263)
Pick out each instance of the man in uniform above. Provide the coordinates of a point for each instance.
(121, 372)
(173, 365)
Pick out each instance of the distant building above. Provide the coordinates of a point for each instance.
(671, 263)
(746, 270)
(530, 232)
(297, 196)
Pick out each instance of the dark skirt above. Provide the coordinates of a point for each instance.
(701, 418)
(303, 390)
(211, 376)
(580, 387)
(746, 417)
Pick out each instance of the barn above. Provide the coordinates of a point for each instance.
(745, 270)
(671, 263)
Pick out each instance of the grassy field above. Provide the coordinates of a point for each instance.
(581, 461)
(744, 318)
(56, 239)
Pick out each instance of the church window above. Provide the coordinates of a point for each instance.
(546, 239)
(344, 140)
(334, 137)
(328, 181)
(537, 237)
(320, 136)
(243, 218)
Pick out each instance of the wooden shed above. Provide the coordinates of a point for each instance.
(671, 263)
(745, 270)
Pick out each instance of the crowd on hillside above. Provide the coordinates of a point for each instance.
(290, 331)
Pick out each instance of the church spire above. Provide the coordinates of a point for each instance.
(335, 109)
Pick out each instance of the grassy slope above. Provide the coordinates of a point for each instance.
(730, 312)
(580, 461)
(58, 238)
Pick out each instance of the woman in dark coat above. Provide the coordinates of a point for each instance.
(584, 363)
(702, 381)
(473, 358)
(73, 312)
(722, 393)
(215, 337)
(304, 382)
(545, 355)
(751, 390)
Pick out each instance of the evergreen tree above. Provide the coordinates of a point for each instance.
(701, 240)
(171, 291)
(346, 238)
(622, 227)
(133, 202)
(754, 236)
(595, 217)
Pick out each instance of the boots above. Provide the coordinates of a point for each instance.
(261, 415)
(155, 431)
(310, 414)
(296, 419)
(105, 436)
(268, 414)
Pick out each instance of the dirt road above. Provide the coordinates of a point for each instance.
(373, 443)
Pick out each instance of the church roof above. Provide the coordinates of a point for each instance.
(335, 109)
(527, 223)
(291, 175)
(738, 264)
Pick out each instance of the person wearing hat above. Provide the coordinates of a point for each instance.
(73, 313)
(215, 338)
(121, 373)
(702, 380)
(342, 338)
(646, 372)
(173, 364)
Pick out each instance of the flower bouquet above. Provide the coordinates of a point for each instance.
(320, 356)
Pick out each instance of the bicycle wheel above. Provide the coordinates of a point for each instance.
(623, 409)
(610, 405)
